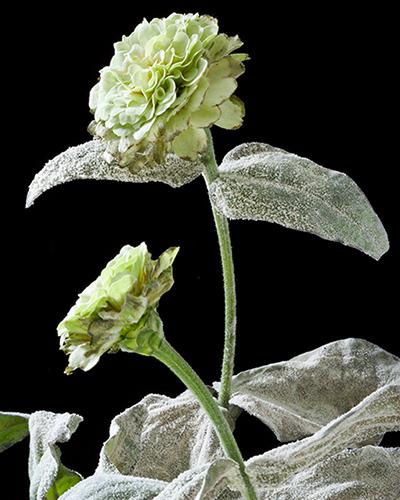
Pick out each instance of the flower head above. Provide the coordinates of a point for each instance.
(119, 309)
(166, 82)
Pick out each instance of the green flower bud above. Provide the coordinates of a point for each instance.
(166, 82)
(118, 311)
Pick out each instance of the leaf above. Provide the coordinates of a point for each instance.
(331, 464)
(296, 398)
(66, 479)
(204, 482)
(375, 415)
(103, 486)
(218, 480)
(48, 477)
(367, 473)
(13, 428)
(260, 182)
(160, 437)
(86, 162)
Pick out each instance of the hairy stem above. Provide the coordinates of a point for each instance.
(224, 239)
(171, 358)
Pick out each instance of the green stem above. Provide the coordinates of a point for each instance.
(225, 246)
(170, 357)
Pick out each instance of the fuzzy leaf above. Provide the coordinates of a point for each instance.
(288, 464)
(331, 464)
(160, 437)
(296, 398)
(368, 473)
(260, 182)
(13, 428)
(103, 486)
(219, 480)
(86, 162)
(49, 478)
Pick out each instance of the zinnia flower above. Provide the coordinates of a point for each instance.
(119, 309)
(166, 82)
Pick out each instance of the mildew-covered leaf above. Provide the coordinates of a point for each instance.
(375, 415)
(218, 480)
(260, 182)
(331, 464)
(102, 486)
(86, 162)
(161, 437)
(13, 428)
(368, 473)
(48, 477)
(296, 398)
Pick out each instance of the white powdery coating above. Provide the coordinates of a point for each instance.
(219, 480)
(161, 437)
(46, 430)
(332, 464)
(369, 473)
(114, 487)
(374, 416)
(260, 182)
(86, 161)
(296, 398)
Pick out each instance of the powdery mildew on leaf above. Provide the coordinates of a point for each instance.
(13, 428)
(374, 416)
(368, 473)
(103, 486)
(260, 182)
(217, 481)
(86, 162)
(332, 464)
(161, 437)
(296, 398)
(46, 430)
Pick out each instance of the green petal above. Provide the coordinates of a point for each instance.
(119, 306)
(205, 116)
(241, 57)
(232, 113)
(229, 66)
(223, 45)
(189, 143)
(158, 77)
(219, 91)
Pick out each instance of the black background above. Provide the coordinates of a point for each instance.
(320, 83)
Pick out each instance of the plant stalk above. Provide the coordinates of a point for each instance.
(171, 358)
(225, 246)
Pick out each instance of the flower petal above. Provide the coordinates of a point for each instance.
(189, 143)
(232, 113)
(219, 91)
(205, 116)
